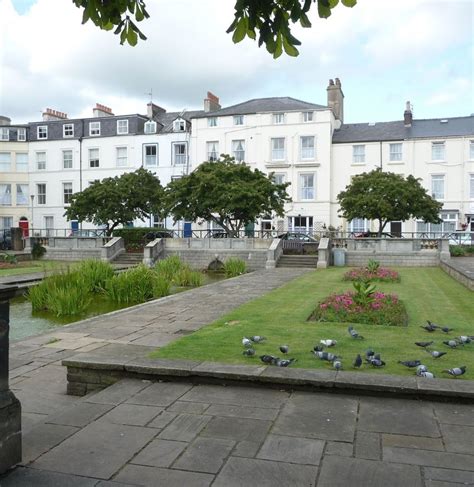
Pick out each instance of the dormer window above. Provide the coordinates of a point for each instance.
(278, 118)
(307, 116)
(212, 122)
(179, 125)
(4, 134)
(94, 128)
(68, 130)
(150, 127)
(42, 132)
(21, 135)
(122, 127)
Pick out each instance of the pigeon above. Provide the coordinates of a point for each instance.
(421, 368)
(257, 339)
(426, 375)
(410, 363)
(456, 371)
(433, 325)
(337, 364)
(429, 327)
(357, 362)
(246, 342)
(446, 329)
(423, 344)
(451, 343)
(465, 339)
(376, 362)
(436, 354)
(284, 362)
(328, 342)
(250, 352)
(354, 334)
(284, 349)
(329, 357)
(376, 356)
(268, 359)
(369, 353)
(318, 348)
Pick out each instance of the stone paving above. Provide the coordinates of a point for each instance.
(163, 433)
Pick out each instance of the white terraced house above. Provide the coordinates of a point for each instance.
(303, 143)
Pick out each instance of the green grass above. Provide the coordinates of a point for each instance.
(428, 294)
(30, 266)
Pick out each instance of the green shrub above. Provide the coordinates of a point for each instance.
(132, 286)
(457, 250)
(37, 251)
(186, 277)
(67, 302)
(169, 267)
(470, 249)
(95, 273)
(161, 287)
(234, 267)
(135, 237)
(373, 266)
(9, 258)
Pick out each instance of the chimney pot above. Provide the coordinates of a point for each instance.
(408, 115)
(211, 103)
(336, 99)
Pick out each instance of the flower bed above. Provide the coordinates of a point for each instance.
(382, 274)
(378, 309)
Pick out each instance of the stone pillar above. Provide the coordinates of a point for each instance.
(17, 239)
(10, 408)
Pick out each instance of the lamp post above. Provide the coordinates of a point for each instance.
(32, 197)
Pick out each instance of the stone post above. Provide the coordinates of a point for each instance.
(10, 408)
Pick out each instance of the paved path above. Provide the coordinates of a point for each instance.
(177, 434)
(152, 434)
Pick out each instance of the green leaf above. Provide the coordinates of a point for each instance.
(251, 34)
(323, 11)
(289, 48)
(108, 26)
(240, 30)
(132, 37)
(304, 21)
(278, 47)
(349, 3)
(139, 16)
(333, 3)
(123, 36)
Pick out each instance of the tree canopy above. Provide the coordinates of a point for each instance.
(227, 193)
(118, 200)
(385, 197)
(270, 20)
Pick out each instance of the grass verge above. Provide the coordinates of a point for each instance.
(428, 294)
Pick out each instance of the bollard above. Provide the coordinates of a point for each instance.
(10, 408)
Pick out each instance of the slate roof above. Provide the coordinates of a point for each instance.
(167, 119)
(259, 105)
(363, 132)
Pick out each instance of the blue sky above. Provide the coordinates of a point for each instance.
(384, 52)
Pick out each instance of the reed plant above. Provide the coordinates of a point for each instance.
(169, 267)
(186, 277)
(234, 267)
(161, 286)
(132, 286)
(95, 273)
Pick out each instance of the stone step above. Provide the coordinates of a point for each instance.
(297, 261)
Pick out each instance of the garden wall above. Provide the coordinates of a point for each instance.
(200, 252)
(68, 248)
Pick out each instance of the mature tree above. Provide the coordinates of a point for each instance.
(269, 19)
(385, 197)
(227, 193)
(118, 200)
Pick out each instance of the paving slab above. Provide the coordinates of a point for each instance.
(154, 477)
(80, 414)
(29, 477)
(322, 416)
(455, 413)
(205, 455)
(343, 472)
(132, 414)
(264, 473)
(119, 392)
(293, 450)
(160, 453)
(367, 445)
(246, 449)
(237, 429)
(162, 420)
(448, 475)
(339, 448)
(189, 407)
(160, 394)
(397, 416)
(249, 412)
(98, 450)
(406, 441)
(184, 427)
(457, 438)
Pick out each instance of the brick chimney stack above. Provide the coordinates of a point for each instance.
(102, 111)
(408, 115)
(152, 110)
(5, 120)
(50, 114)
(336, 99)
(211, 103)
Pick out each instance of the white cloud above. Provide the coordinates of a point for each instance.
(49, 59)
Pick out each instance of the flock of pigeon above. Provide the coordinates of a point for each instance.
(371, 358)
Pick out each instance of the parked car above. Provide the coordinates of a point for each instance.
(302, 237)
(158, 234)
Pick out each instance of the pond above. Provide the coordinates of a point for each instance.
(24, 322)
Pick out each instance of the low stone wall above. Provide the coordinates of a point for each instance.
(200, 252)
(68, 248)
(424, 258)
(458, 274)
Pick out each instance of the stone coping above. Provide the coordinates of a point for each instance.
(108, 369)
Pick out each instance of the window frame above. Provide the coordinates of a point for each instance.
(89, 149)
(42, 130)
(278, 118)
(301, 188)
(9, 162)
(117, 158)
(209, 152)
(174, 155)
(272, 149)
(94, 132)
(471, 150)
(308, 117)
(442, 177)
(471, 186)
(212, 121)
(26, 198)
(4, 134)
(38, 168)
(356, 156)
(26, 167)
(9, 200)
(238, 119)
(67, 196)
(438, 144)
(313, 156)
(240, 157)
(21, 130)
(72, 158)
(41, 196)
(147, 124)
(177, 124)
(280, 174)
(66, 128)
(393, 153)
(121, 121)
(145, 155)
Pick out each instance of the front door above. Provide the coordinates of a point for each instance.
(187, 231)
(396, 229)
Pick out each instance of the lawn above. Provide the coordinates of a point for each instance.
(428, 294)
(30, 266)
